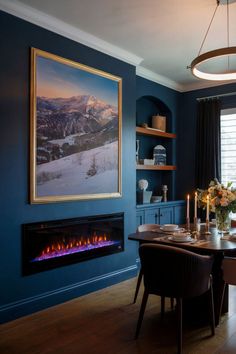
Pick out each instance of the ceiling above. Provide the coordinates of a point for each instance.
(160, 37)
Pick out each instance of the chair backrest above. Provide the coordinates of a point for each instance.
(174, 272)
(229, 270)
(147, 227)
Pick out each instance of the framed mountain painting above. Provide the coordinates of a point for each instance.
(75, 138)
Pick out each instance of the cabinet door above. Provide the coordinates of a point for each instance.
(179, 214)
(139, 218)
(152, 216)
(166, 216)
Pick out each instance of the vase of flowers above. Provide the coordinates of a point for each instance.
(222, 201)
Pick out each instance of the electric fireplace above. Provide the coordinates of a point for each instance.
(51, 244)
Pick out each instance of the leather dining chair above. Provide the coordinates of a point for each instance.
(229, 275)
(143, 228)
(174, 272)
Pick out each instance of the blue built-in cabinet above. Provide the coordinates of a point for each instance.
(161, 213)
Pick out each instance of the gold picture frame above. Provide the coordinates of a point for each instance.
(75, 131)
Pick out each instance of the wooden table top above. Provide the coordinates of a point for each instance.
(201, 241)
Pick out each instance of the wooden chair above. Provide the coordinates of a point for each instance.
(174, 272)
(143, 228)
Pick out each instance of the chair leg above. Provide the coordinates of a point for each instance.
(162, 306)
(222, 300)
(212, 311)
(180, 323)
(141, 312)
(138, 285)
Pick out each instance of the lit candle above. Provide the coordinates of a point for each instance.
(195, 205)
(207, 210)
(187, 215)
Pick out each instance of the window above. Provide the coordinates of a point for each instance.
(228, 146)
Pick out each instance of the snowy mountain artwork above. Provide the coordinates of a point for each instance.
(75, 131)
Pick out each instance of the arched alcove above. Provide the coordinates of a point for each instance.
(148, 106)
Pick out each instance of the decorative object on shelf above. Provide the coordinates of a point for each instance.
(159, 123)
(159, 155)
(156, 198)
(137, 150)
(143, 184)
(220, 200)
(148, 161)
(143, 196)
(164, 189)
(144, 125)
(204, 60)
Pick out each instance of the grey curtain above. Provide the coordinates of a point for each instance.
(208, 152)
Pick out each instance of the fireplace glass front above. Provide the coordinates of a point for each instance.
(57, 243)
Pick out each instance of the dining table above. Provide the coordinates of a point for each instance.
(205, 240)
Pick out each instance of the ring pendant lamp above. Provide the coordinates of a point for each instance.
(215, 54)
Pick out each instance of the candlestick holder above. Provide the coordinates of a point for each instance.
(187, 224)
(164, 189)
(207, 228)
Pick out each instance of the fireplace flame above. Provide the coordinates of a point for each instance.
(76, 245)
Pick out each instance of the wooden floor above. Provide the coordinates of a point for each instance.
(104, 323)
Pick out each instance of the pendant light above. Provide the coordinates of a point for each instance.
(217, 54)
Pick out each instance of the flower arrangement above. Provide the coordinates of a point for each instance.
(222, 201)
(220, 197)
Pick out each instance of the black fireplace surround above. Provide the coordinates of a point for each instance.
(51, 244)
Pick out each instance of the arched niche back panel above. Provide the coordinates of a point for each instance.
(148, 106)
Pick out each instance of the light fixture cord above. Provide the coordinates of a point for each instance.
(217, 4)
(228, 28)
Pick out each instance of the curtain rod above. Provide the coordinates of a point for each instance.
(217, 96)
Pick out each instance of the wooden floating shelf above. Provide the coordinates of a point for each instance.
(156, 167)
(153, 132)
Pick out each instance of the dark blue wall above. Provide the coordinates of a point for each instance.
(20, 295)
(186, 128)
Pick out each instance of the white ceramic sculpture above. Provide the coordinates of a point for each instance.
(143, 184)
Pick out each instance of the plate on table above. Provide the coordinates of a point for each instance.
(156, 230)
(187, 239)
